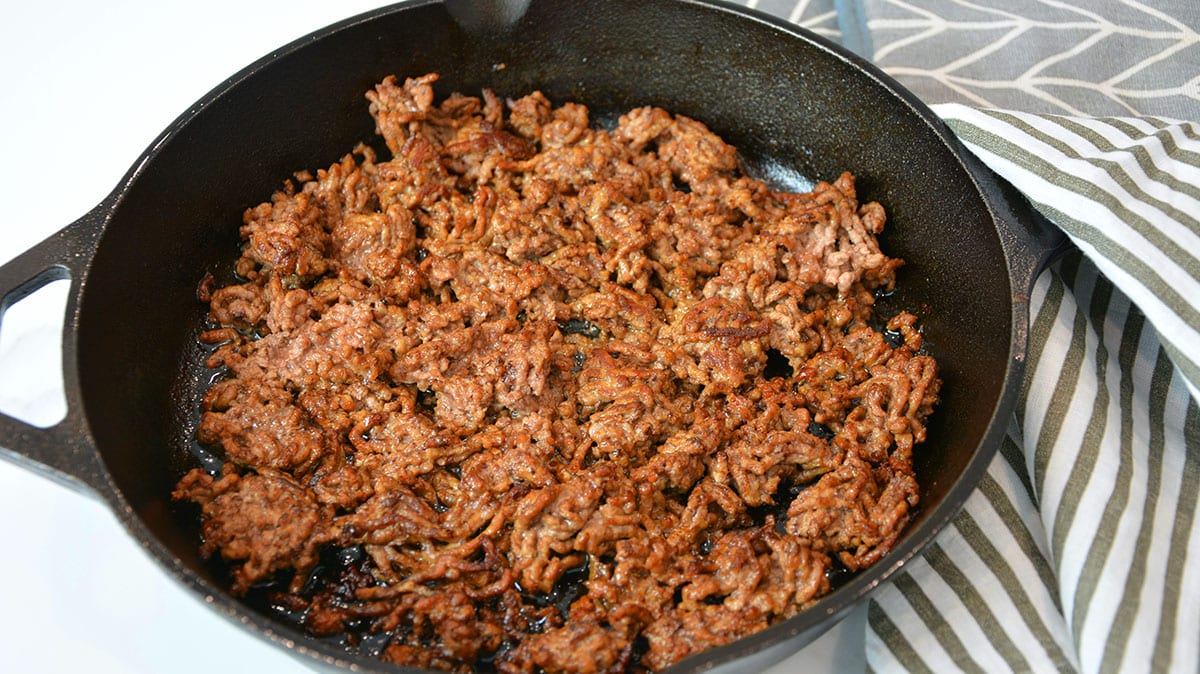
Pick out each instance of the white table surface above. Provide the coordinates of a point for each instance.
(84, 88)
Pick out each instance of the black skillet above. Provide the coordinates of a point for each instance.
(793, 103)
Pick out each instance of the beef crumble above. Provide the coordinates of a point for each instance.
(568, 398)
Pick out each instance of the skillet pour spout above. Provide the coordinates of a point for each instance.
(486, 17)
(782, 96)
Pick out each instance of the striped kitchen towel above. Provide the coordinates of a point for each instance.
(1073, 555)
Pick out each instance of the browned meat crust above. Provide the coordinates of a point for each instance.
(577, 399)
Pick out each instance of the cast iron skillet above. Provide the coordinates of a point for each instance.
(793, 103)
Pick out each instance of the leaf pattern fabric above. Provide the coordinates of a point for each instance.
(818, 16)
(1101, 57)
(1075, 552)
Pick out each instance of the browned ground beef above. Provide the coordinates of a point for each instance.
(525, 352)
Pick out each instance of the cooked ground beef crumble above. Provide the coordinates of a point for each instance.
(567, 399)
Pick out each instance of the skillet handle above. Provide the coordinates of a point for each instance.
(65, 452)
(1030, 242)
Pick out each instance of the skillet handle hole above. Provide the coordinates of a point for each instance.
(31, 379)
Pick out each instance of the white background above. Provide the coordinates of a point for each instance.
(84, 88)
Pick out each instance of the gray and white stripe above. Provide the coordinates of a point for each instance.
(1134, 208)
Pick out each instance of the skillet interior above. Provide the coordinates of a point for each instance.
(782, 100)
